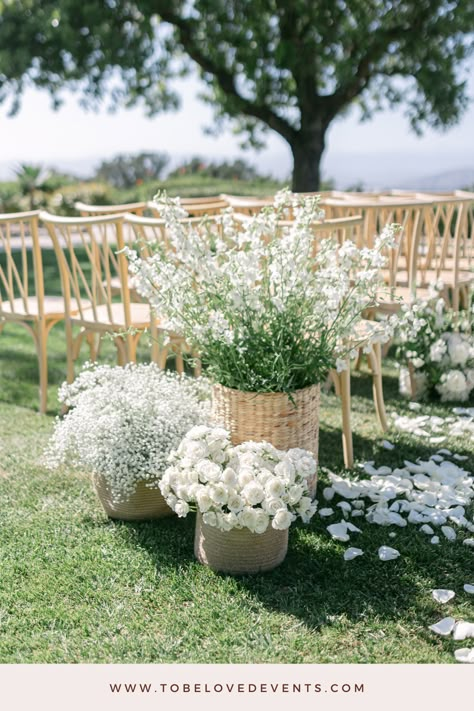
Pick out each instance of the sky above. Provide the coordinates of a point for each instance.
(379, 152)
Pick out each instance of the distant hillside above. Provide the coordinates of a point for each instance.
(449, 180)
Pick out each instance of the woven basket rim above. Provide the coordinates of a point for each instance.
(264, 393)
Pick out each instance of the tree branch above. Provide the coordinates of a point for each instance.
(225, 79)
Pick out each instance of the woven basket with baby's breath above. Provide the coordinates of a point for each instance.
(144, 504)
(285, 421)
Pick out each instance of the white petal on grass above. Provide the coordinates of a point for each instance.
(442, 595)
(435, 540)
(465, 655)
(339, 531)
(444, 626)
(469, 589)
(447, 452)
(328, 493)
(437, 458)
(387, 445)
(463, 630)
(387, 553)
(469, 542)
(449, 532)
(460, 457)
(326, 512)
(352, 553)
(345, 506)
(426, 529)
(352, 528)
(414, 406)
(392, 534)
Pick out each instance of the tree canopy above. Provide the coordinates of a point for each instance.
(291, 66)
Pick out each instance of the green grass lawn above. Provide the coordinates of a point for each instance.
(77, 587)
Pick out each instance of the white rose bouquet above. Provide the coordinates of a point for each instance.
(251, 485)
(267, 306)
(437, 346)
(124, 421)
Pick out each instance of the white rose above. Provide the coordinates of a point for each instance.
(295, 493)
(262, 520)
(253, 493)
(227, 522)
(218, 493)
(458, 350)
(229, 478)
(194, 450)
(208, 471)
(210, 518)
(306, 466)
(307, 515)
(271, 506)
(263, 476)
(453, 386)
(247, 518)
(204, 501)
(235, 502)
(282, 519)
(285, 470)
(245, 477)
(182, 509)
(304, 505)
(274, 488)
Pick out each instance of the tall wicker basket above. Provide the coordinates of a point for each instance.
(272, 417)
(239, 551)
(146, 503)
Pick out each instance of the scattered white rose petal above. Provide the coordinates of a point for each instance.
(442, 595)
(387, 553)
(352, 553)
(387, 445)
(338, 531)
(392, 534)
(469, 589)
(326, 512)
(469, 542)
(460, 457)
(328, 493)
(447, 452)
(437, 458)
(449, 532)
(345, 506)
(351, 527)
(465, 655)
(444, 626)
(414, 406)
(435, 540)
(463, 630)
(426, 529)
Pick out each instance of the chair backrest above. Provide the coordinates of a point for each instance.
(152, 230)
(90, 259)
(21, 266)
(194, 209)
(85, 210)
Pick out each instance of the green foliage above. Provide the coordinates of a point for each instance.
(266, 65)
(237, 169)
(126, 171)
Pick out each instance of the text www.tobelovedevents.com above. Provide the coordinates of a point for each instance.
(233, 688)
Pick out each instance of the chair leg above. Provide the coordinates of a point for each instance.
(345, 390)
(121, 350)
(375, 362)
(93, 340)
(70, 351)
(41, 338)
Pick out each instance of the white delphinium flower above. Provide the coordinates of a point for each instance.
(234, 287)
(252, 485)
(123, 422)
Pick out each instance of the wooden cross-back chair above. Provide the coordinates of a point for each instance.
(194, 208)
(90, 258)
(22, 297)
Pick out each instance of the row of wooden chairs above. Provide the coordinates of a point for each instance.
(98, 297)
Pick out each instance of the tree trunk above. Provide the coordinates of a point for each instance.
(307, 154)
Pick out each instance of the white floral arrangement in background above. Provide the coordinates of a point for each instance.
(124, 422)
(241, 291)
(251, 485)
(437, 350)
